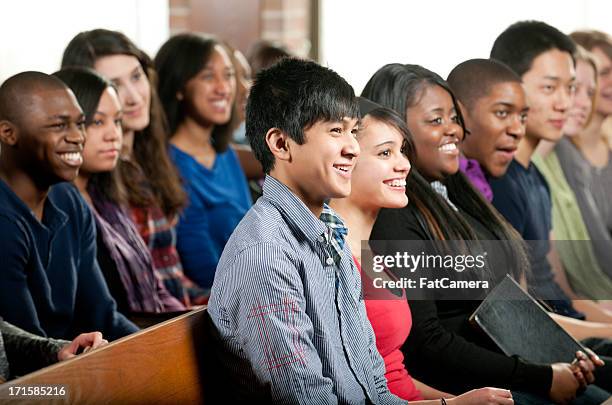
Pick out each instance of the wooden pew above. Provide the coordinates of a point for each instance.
(159, 365)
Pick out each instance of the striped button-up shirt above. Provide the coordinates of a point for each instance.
(290, 320)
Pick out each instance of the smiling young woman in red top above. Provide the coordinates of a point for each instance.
(379, 181)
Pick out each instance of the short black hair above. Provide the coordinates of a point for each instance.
(293, 95)
(16, 91)
(524, 41)
(474, 78)
(179, 60)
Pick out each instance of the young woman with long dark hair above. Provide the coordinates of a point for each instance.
(122, 254)
(152, 184)
(443, 350)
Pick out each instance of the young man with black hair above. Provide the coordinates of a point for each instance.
(494, 108)
(543, 58)
(545, 62)
(50, 282)
(495, 112)
(285, 304)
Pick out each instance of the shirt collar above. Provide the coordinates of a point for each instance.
(440, 188)
(337, 230)
(53, 217)
(473, 171)
(293, 210)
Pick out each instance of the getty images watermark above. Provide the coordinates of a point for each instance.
(404, 261)
(461, 270)
(447, 270)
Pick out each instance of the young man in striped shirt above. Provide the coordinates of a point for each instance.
(286, 303)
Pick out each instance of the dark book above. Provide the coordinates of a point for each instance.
(519, 325)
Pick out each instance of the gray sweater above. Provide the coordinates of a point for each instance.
(593, 189)
(22, 352)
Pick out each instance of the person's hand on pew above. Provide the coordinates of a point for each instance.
(85, 341)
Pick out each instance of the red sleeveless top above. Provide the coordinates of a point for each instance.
(391, 320)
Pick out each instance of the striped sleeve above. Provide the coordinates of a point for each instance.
(274, 330)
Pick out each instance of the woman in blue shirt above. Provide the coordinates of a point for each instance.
(197, 87)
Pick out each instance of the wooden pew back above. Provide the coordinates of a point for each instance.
(159, 365)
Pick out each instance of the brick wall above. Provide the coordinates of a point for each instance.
(285, 21)
(179, 16)
(288, 22)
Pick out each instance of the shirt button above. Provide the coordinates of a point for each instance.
(329, 261)
(321, 239)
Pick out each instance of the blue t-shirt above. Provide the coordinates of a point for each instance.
(523, 198)
(50, 282)
(218, 199)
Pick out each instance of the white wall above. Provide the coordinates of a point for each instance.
(359, 36)
(34, 33)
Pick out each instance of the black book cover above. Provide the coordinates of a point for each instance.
(519, 325)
